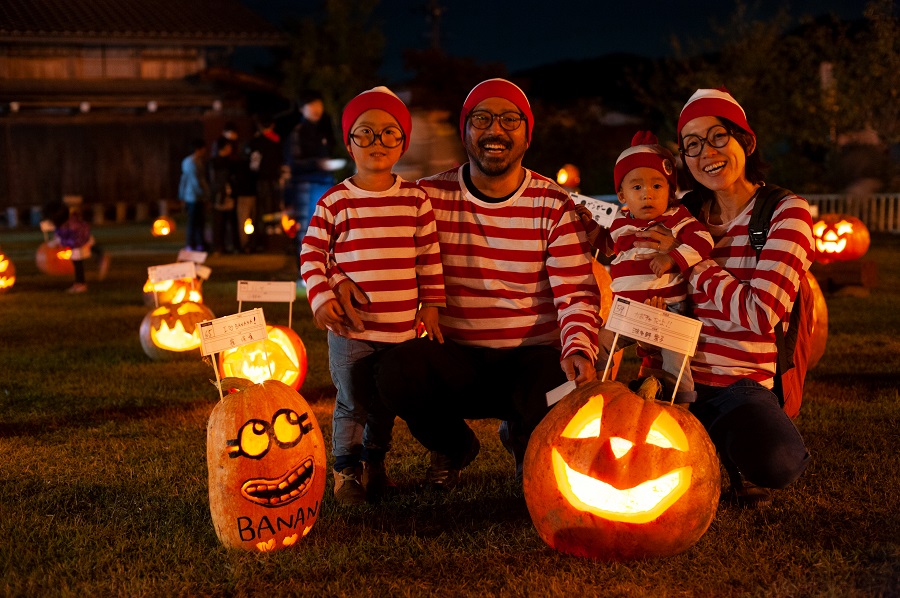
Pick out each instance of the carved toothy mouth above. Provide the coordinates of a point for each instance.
(279, 492)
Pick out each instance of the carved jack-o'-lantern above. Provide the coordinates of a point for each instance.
(7, 272)
(173, 291)
(820, 323)
(612, 476)
(289, 225)
(267, 469)
(282, 357)
(55, 261)
(840, 238)
(163, 226)
(170, 331)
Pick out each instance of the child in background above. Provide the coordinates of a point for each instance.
(379, 231)
(72, 232)
(645, 182)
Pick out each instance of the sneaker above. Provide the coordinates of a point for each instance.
(443, 474)
(515, 446)
(376, 482)
(103, 268)
(348, 489)
(77, 288)
(751, 496)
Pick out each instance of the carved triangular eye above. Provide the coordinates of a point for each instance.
(586, 423)
(665, 432)
(620, 446)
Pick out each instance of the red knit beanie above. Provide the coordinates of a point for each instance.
(645, 151)
(713, 102)
(377, 98)
(496, 88)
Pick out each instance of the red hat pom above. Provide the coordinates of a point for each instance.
(644, 138)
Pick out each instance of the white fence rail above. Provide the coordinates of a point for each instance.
(879, 212)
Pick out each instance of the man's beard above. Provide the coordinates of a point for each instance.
(493, 166)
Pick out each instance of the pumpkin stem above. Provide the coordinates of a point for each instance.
(227, 384)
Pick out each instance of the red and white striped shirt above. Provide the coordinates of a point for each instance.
(517, 272)
(386, 243)
(739, 301)
(632, 277)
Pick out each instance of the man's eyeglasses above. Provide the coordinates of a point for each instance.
(482, 119)
(389, 137)
(717, 136)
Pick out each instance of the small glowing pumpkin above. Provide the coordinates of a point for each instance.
(286, 353)
(840, 238)
(267, 466)
(7, 273)
(55, 261)
(611, 476)
(177, 290)
(170, 331)
(163, 226)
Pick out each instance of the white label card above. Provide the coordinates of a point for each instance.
(603, 212)
(654, 326)
(203, 272)
(186, 255)
(171, 271)
(255, 291)
(232, 331)
(558, 394)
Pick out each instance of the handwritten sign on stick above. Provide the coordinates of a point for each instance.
(603, 212)
(232, 331)
(654, 326)
(255, 291)
(172, 271)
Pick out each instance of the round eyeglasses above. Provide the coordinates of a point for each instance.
(509, 121)
(389, 137)
(717, 136)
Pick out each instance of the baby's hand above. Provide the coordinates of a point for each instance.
(661, 264)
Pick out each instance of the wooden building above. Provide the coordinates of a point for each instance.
(101, 98)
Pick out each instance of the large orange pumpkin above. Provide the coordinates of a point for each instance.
(286, 361)
(840, 238)
(55, 261)
(267, 466)
(820, 323)
(7, 272)
(611, 476)
(173, 291)
(170, 331)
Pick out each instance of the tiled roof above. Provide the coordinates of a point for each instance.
(156, 21)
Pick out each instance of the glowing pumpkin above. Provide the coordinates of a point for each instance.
(820, 323)
(289, 225)
(287, 361)
(7, 273)
(611, 476)
(55, 261)
(170, 331)
(267, 468)
(173, 291)
(163, 226)
(840, 238)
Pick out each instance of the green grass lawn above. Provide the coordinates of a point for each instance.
(103, 478)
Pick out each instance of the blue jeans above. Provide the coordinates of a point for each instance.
(305, 193)
(361, 424)
(754, 437)
(196, 223)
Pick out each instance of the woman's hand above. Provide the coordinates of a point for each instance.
(657, 237)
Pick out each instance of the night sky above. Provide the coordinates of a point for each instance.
(535, 32)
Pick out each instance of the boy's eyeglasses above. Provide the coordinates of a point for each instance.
(482, 119)
(390, 137)
(717, 136)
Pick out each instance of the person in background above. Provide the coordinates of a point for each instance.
(224, 207)
(74, 233)
(644, 177)
(193, 191)
(739, 298)
(264, 158)
(378, 231)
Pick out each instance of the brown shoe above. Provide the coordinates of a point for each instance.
(376, 481)
(443, 474)
(751, 496)
(348, 488)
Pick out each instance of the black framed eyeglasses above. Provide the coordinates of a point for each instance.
(390, 137)
(717, 136)
(509, 121)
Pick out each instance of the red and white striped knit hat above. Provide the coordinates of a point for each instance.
(496, 88)
(377, 98)
(713, 102)
(645, 151)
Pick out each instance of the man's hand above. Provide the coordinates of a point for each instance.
(330, 316)
(347, 293)
(427, 317)
(578, 368)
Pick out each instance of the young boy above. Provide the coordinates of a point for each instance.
(379, 231)
(644, 176)
(73, 232)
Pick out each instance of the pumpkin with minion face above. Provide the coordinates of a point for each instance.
(267, 470)
(611, 476)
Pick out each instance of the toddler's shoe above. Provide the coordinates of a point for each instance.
(348, 489)
(77, 288)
